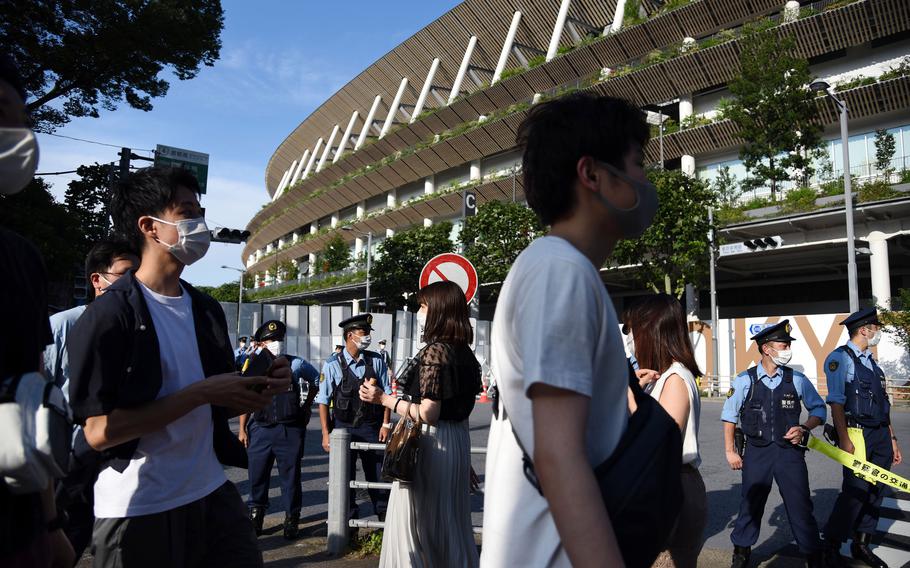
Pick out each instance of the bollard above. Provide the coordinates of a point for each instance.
(339, 469)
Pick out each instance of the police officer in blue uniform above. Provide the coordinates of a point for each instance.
(765, 401)
(276, 433)
(339, 384)
(859, 399)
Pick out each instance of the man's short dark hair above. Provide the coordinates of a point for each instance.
(148, 191)
(557, 133)
(102, 256)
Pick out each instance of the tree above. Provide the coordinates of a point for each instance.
(87, 55)
(884, 152)
(673, 252)
(494, 237)
(335, 255)
(34, 214)
(775, 112)
(726, 187)
(287, 270)
(395, 273)
(87, 199)
(227, 292)
(897, 319)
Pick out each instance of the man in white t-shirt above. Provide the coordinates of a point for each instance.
(558, 358)
(153, 384)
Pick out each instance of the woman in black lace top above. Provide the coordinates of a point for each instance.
(428, 521)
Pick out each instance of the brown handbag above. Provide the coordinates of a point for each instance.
(401, 453)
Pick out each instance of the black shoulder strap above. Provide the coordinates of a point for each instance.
(753, 378)
(788, 374)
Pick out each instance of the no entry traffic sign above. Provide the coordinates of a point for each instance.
(454, 268)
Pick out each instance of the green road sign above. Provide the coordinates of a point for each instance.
(196, 162)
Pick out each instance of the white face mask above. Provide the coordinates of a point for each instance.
(783, 357)
(193, 239)
(421, 318)
(873, 341)
(630, 343)
(364, 342)
(18, 159)
(276, 347)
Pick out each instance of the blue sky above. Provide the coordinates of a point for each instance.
(279, 62)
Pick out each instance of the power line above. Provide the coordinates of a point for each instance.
(95, 142)
(55, 173)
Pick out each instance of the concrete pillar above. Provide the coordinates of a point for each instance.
(427, 222)
(475, 170)
(393, 110)
(334, 221)
(429, 184)
(300, 164)
(459, 77)
(687, 161)
(391, 198)
(368, 123)
(506, 48)
(427, 84)
(346, 137)
(328, 148)
(295, 237)
(361, 209)
(311, 259)
(618, 15)
(309, 165)
(280, 187)
(879, 268)
(389, 233)
(313, 229)
(256, 279)
(557, 29)
(791, 11)
(358, 246)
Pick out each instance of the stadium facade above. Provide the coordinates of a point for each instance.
(397, 145)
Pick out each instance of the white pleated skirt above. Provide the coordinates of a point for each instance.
(428, 521)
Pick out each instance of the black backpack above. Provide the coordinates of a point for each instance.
(640, 481)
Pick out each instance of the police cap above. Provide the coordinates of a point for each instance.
(360, 321)
(272, 330)
(860, 318)
(777, 332)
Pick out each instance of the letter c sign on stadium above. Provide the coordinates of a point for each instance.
(454, 268)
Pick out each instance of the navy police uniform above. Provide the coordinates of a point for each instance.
(857, 382)
(766, 407)
(339, 385)
(276, 433)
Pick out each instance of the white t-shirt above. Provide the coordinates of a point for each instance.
(690, 453)
(554, 324)
(175, 465)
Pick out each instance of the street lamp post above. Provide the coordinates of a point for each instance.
(658, 118)
(824, 87)
(369, 236)
(239, 296)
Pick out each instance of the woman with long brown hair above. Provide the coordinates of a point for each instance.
(428, 521)
(662, 344)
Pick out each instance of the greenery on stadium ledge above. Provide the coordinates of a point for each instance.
(652, 58)
(301, 287)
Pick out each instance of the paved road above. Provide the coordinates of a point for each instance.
(723, 485)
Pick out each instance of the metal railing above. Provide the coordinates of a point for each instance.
(898, 390)
(340, 447)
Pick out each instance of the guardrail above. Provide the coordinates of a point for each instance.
(340, 446)
(898, 390)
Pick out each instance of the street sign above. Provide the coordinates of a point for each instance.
(196, 162)
(754, 245)
(454, 268)
(469, 208)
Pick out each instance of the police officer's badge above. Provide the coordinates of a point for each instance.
(273, 326)
(369, 319)
(789, 328)
(730, 392)
(832, 366)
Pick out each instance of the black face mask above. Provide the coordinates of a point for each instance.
(635, 220)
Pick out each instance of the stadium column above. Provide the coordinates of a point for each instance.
(506, 48)
(334, 219)
(879, 268)
(328, 148)
(618, 15)
(393, 110)
(427, 84)
(429, 186)
(303, 160)
(346, 137)
(557, 29)
(361, 209)
(465, 61)
(309, 165)
(687, 161)
(391, 198)
(368, 123)
(475, 170)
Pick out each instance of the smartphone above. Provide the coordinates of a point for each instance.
(259, 365)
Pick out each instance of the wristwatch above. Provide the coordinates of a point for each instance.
(387, 425)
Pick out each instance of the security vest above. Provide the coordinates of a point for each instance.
(346, 398)
(767, 414)
(867, 398)
(285, 406)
